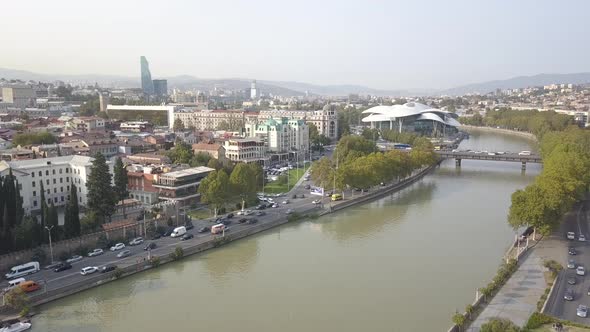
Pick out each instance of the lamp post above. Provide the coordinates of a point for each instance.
(50, 244)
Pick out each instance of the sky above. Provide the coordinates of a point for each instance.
(381, 44)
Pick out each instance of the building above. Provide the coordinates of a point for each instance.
(140, 184)
(253, 92)
(181, 186)
(16, 154)
(136, 126)
(108, 147)
(326, 119)
(245, 150)
(147, 85)
(216, 151)
(103, 100)
(88, 124)
(56, 175)
(160, 88)
(149, 159)
(282, 135)
(232, 120)
(19, 96)
(155, 114)
(412, 117)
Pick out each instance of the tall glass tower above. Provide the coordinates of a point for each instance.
(146, 77)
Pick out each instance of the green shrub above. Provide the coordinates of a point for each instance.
(177, 254)
(538, 319)
(294, 216)
(499, 325)
(102, 242)
(155, 261)
(118, 273)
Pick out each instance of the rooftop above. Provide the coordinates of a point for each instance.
(189, 171)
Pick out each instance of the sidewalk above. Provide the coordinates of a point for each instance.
(517, 299)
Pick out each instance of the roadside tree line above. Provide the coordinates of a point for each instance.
(356, 163)
(182, 153)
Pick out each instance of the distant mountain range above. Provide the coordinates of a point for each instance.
(288, 88)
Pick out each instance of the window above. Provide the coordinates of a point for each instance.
(54, 181)
(62, 198)
(61, 180)
(47, 172)
(49, 201)
(33, 174)
(55, 200)
(40, 173)
(68, 197)
(68, 189)
(48, 191)
(80, 199)
(34, 203)
(60, 170)
(79, 189)
(55, 190)
(33, 184)
(47, 181)
(20, 186)
(34, 193)
(53, 172)
(67, 170)
(67, 179)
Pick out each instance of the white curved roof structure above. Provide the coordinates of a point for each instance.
(423, 112)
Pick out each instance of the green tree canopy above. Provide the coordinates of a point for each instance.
(101, 195)
(499, 325)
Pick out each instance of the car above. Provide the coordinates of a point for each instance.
(150, 246)
(88, 270)
(275, 205)
(124, 253)
(186, 236)
(571, 264)
(260, 213)
(248, 212)
(286, 201)
(289, 211)
(108, 268)
(62, 267)
(307, 186)
(261, 207)
(225, 222)
(136, 241)
(568, 295)
(189, 225)
(118, 246)
(74, 259)
(229, 215)
(240, 213)
(571, 280)
(580, 270)
(204, 229)
(156, 236)
(571, 235)
(243, 220)
(252, 221)
(491, 153)
(588, 291)
(572, 251)
(582, 238)
(317, 201)
(168, 231)
(95, 252)
(524, 153)
(582, 311)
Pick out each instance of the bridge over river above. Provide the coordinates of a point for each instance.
(491, 156)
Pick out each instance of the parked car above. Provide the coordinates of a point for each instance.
(62, 267)
(108, 268)
(571, 264)
(204, 229)
(88, 270)
(150, 246)
(307, 186)
(582, 238)
(286, 201)
(29, 286)
(95, 252)
(572, 251)
(582, 311)
(275, 205)
(524, 153)
(118, 246)
(136, 241)
(580, 271)
(74, 259)
(156, 236)
(229, 215)
(568, 295)
(189, 225)
(186, 236)
(289, 211)
(252, 221)
(317, 201)
(571, 235)
(260, 213)
(243, 220)
(571, 280)
(124, 253)
(168, 231)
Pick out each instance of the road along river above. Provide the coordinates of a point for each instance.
(404, 262)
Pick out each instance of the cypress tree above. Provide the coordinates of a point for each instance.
(101, 196)
(72, 215)
(120, 177)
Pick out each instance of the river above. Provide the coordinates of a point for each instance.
(405, 262)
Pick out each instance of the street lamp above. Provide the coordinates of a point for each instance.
(50, 244)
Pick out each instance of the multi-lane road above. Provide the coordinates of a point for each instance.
(557, 306)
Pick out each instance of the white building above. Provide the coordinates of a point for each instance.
(282, 135)
(56, 175)
(212, 119)
(326, 119)
(245, 150)
(145, 112)
(20, 96)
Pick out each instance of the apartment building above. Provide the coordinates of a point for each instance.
(246, 150)
(281, 135)
(326, 119)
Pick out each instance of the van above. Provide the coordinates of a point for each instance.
(29, 286)
(13, 283)
(336, 197)
(178, 231)
(216, 229)
(22, 270)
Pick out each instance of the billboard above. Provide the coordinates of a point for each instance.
(316, 191)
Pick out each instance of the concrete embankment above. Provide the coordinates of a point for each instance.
(523, 134)
(133, 268)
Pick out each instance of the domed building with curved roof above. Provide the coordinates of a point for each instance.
(412, 117)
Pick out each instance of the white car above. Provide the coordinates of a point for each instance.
(74, 259)
(580, 271)
(136, 241)
(241, 212)
(88, 270)
(524, 153)
(571, 264)
(582, 238)
(118, 246)
(491, 153)
(571, 235)
(582, 311)
(95, 252)
(289, 211)
(286, 201)
(317, 201)
(247, 212)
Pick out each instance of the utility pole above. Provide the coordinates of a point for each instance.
(50, 244)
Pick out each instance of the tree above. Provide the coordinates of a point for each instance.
(182, 153)
(178, 125)
(17, 299)
(200, 159)
(42, 137)
(121, 180)
(90, 107)
(101, 196)
(72, 226)
(215, 189)
(243, 181)
(499, 325)
(459, 320)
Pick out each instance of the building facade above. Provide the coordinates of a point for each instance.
(326, 120)
(245, 150)
(160, 88)
(55, 175)
(181, 186)
(147, 85)
(282, 135)
(234, 120)
(20, 96)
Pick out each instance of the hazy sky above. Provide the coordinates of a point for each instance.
(381, 44)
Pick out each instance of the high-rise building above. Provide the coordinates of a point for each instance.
(147, 85)
(253, 92)
(160, 88)
(104, 100)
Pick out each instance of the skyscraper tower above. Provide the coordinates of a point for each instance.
(253, 92)
(146, 77)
